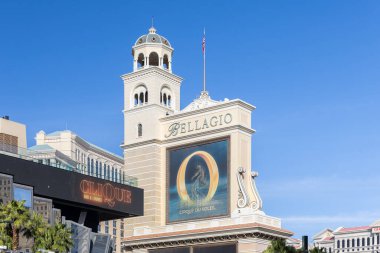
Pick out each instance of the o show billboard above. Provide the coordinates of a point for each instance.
(198, 181)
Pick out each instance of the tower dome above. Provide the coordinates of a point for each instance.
(152, 37)
(151, 50)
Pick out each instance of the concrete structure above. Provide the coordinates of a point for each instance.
(155, 128)
(12, 136)
(353, 239)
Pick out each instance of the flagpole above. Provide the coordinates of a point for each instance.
(204, 60)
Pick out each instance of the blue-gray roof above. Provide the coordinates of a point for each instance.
(43, 147)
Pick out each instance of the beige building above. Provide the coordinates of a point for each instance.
(194, 165)
(12, 136)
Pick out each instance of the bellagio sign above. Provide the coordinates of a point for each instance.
(179, 128)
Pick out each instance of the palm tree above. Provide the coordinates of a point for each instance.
(279, 246)
(17, 215)
(5, 230)
(62, 238)
(56, 238)
(35, 228)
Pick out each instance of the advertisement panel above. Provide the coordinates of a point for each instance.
(197, 184)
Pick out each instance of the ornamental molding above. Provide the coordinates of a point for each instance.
(200, 238)
(150, 71)
(221, 105)
(248, 195)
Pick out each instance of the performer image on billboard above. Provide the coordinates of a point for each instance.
(198, 181)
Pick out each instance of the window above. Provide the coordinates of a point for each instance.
(358, 242)
(114, 223)
(343, 242)
(122, 233)
(348, 243)
(113, 174)
(105, 171)
(353, 242)
(368, 241)
(141, 98)
(338, 244)
(92, 166)
(153, 59)
(165, 62)
(139, 130)
(96, 168)
(114, 231)
(363, 242)
(136, 101)
(106, 230)
(140, 61)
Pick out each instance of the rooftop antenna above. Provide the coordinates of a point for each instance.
(204, 59)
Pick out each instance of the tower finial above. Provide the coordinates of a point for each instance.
(152, 29)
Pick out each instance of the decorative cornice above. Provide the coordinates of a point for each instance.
(222, 105)
(199, 236)
(93, 148)
(145, 72)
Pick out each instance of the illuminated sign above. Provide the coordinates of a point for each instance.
(376, 230)
(178, 128)
(104, 193)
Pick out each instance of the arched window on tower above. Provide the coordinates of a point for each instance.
(141, 98)
(169, 100)
(165, 63)
(139, 130)
(140, 61)
(165, 99)
(146, 96)
(153, 59)
(136, 100)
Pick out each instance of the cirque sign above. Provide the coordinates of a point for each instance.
(104, 193)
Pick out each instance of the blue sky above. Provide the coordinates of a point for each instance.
(310, 67)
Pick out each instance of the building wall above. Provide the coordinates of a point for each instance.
(14, 129)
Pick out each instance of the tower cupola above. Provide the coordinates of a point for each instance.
(150, 50)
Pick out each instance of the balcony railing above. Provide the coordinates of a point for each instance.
(49, 158)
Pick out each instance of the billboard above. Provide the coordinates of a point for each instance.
(197, 182)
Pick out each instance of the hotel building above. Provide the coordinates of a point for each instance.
(194, 165)
(352, 239)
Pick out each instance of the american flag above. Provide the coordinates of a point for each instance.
(204, 43)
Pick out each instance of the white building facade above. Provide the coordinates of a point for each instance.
(80, 155)
(353, 239)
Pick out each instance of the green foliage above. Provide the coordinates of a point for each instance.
(317, 250)
(16, 219)
(56, 238)
(279, 246)
(16, 215)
